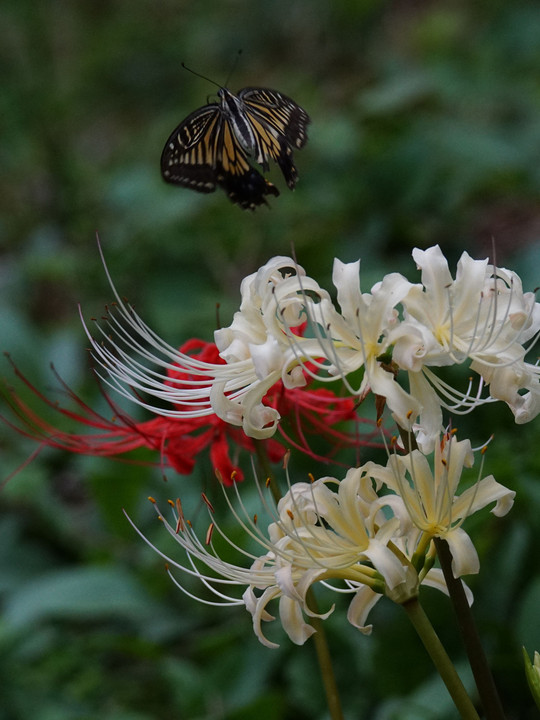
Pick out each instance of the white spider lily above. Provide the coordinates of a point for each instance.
(288, 329)
(336, 343)
(482, 316)
(273, 304)
(362, 333)
(317, 535)
(431, 500)
(262, 346)
(144, 368)
(345, 536)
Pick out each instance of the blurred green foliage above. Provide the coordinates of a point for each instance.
(425, 129)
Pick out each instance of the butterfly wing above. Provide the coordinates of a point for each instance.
(279, 112)
(243, 184)
(279, 125)
(189, 156)
(203, 152)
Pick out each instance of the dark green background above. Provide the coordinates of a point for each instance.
(425, 129)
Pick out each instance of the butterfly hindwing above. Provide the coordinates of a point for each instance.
(212, 146)
(248, 189)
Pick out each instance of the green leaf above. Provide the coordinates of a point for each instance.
(82, 594)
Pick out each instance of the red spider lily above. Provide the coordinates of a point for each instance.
(320, 413)
(180, 440)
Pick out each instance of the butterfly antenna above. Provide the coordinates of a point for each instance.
(233, 67)
(199, 75)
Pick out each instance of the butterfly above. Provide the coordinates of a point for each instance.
(213, 146)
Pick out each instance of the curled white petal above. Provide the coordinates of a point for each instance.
(363, 602)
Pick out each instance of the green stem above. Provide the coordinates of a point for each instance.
(325, 661)
(471, 639)
(321, 642)
(440, 659)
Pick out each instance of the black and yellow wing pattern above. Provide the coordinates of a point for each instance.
(213, 146)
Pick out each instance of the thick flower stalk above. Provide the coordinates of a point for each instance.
(344, 535)
(288, 330)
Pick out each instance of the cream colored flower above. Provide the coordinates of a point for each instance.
(388, 341)
(482, 316)
(432, 499)
(346, 536)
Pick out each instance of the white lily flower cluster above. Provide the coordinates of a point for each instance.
(288, 329)
(347, 536)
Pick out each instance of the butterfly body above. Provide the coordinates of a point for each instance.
(213, 145)
(233, 109)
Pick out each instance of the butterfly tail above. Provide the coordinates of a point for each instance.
(287, 166)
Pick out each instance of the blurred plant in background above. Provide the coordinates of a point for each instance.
(424, 131)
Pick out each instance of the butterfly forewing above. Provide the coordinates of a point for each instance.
(199, 125)
(205, 150)
(188, 158)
